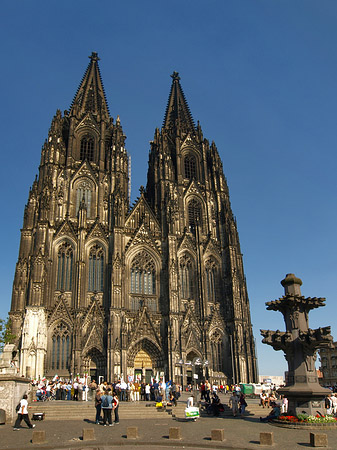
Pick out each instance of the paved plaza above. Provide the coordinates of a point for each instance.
(154, 433)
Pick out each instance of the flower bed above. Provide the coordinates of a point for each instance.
(306, 421)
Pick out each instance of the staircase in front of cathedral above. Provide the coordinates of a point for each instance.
(81, 410)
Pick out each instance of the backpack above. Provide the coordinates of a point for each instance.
(18, 407)
(105, 402)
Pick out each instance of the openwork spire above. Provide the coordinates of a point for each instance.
(90, 95)
(177, 113)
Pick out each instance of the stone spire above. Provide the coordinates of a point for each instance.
(90, 95)
(178, 115)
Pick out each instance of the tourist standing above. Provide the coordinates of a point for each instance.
(234, 403)
(115, 406)
(23, 414)
(98, 405)
(107, 407)
(243, 404)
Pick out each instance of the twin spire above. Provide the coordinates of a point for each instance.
(90, 97)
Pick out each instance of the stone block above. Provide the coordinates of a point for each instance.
(267, 438)
(88, 434)
(174, 433)
(218, 435)
(318, 440)
(132, 433)
(39, 437)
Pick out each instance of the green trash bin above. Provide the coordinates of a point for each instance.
(247, 389)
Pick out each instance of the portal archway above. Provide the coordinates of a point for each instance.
(145, 360)
(95, 364)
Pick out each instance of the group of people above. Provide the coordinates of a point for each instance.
(106, 401)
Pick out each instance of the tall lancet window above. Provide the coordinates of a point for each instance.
(60, 352)
(96, 269)
(87, 148)
(84, 193)
(64, 267)
(211, 275)
(143, 274)
(186, 277)
(194, 215)
(190, 167)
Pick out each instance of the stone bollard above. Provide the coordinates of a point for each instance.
(88, 434)
(266, 438)
(174, 433)
(132, 433)
(39, 437)
(218, 435)
(318, 440)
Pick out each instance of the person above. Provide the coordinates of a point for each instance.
(98, 405)
(107, 400)
(23, 414)
(328, 405)
(284, 403)
(75, 386)
(274, 413)
(264, 399)
(207, 391)
(243, 404)
(147, 392)
(234, 403)
(216, 406)
(334, 404)
(115, 406)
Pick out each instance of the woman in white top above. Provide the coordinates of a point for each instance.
(23, 414)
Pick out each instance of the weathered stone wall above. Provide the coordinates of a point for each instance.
(12, 388)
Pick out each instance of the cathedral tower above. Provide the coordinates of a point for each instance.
(112, 290)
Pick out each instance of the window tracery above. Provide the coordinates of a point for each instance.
(64, 267)
(87, 148)
(186, 277)
(96, 269)
(211, 275)
(84, 193)
(143, 274)
(190, 167)
(60, 357)
(194, 215)
(217, 348)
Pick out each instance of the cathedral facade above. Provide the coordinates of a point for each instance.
(109, 289)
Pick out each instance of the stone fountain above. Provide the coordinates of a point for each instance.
(299, 344)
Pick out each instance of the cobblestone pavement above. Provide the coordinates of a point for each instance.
(239, 434)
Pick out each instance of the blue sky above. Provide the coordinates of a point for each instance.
(259, 75)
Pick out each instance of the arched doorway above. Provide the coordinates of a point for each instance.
(95, 364)
(194, 373)
(143, 367)
(145, 360)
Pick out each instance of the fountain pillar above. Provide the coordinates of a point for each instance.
(299, 344)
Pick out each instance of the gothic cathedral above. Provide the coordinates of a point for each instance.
(111, 289)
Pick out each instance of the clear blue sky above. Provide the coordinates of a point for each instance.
(259, 75)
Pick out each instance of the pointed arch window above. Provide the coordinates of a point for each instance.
(64, 267)
(84, 194)
(194, 215)
(190, 167)
(211, 275)
(143, 274)
(96, 269)
(87, 148)
(217, 348)
(186, 277)
(60, 352)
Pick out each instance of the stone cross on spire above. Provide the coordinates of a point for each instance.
(94, 57)
(175, 76)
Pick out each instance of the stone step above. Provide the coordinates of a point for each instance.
(59, 410)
